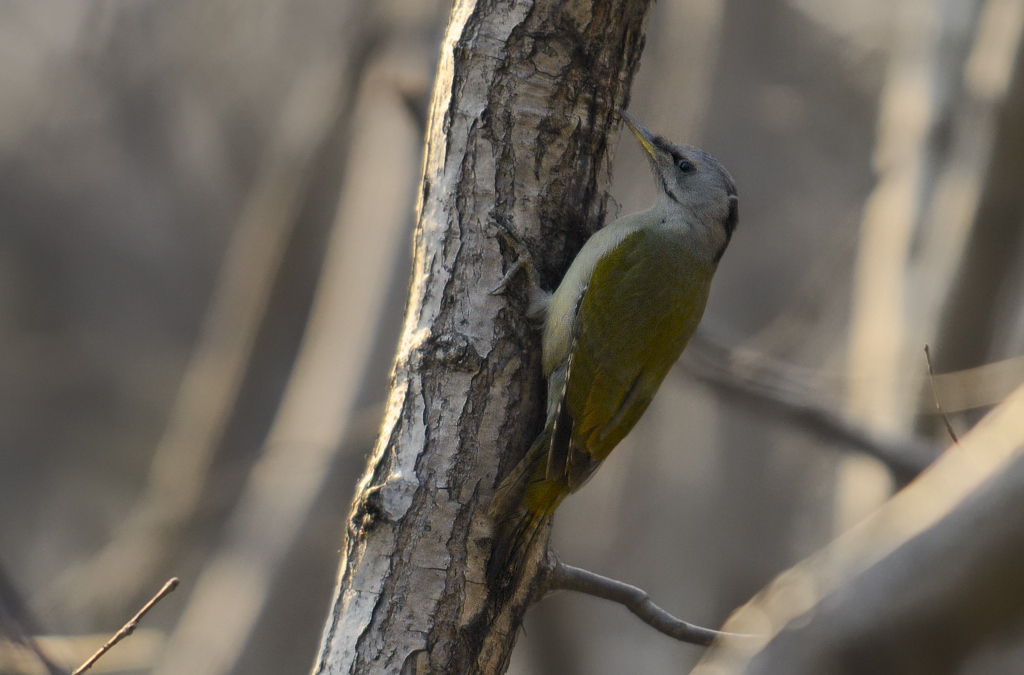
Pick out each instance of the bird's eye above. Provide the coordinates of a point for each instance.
(685, 165)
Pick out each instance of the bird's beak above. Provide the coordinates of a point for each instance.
(645, 137)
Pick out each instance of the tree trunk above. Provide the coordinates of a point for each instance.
(519, 126)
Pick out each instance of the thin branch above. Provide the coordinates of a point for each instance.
(713, 364)
(566, 577)
(129, 627)
(935, 393)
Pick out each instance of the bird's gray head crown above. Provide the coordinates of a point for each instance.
(692, 179)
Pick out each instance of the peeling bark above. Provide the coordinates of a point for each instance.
(521, 117)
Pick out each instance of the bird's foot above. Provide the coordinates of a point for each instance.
(523, 260)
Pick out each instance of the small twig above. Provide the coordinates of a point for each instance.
(935, 393)
(566, 577)
(129, 627)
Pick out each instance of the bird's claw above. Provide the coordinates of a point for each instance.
(524, 260)
(503, 284)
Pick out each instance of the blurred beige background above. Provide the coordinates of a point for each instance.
(205, 211)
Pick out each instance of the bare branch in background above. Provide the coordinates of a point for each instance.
(208, 391)
(767, 385)
(976, 387)
(954, 65)
(983, 314)
(316, 409)
(916, 587)
(18, 626)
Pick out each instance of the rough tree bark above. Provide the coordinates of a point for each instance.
(521, 118)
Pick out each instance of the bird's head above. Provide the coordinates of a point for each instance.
(687, 178)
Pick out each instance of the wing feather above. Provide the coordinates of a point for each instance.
(628, 331)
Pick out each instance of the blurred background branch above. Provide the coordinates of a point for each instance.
(362, 257)
(919, 587)
(183, 458)
(757, 381)
(19, 644)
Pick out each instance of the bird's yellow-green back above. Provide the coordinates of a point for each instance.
(639, 327)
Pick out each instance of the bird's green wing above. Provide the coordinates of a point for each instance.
(642, 304)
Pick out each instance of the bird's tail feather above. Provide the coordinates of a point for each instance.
(522, 506)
